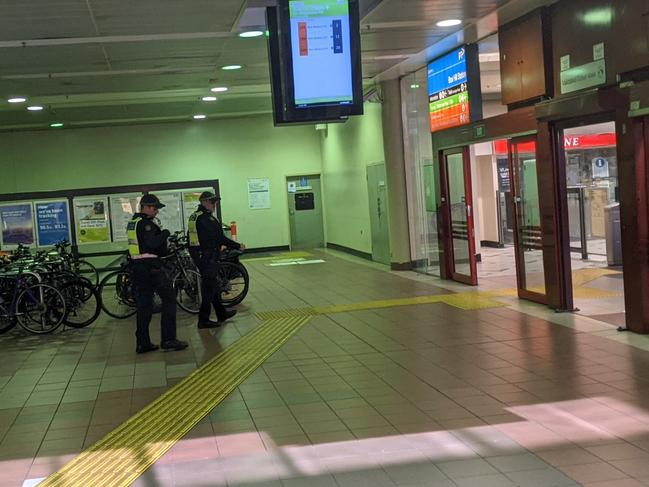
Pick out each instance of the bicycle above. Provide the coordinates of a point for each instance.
(37, 307)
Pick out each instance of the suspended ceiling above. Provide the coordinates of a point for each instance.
(103, 62)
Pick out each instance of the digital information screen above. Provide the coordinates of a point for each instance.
(448, 91)
(321, 43)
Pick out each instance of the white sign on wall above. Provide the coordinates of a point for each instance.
(258, 193)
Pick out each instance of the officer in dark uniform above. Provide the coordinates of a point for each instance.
(205, 230)
(146, 244)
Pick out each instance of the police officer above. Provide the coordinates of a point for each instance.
(205, 240)
(146, 244)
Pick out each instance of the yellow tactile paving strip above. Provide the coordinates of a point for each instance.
(473, 300)
(127, 452)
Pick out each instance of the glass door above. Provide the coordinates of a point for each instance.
(459, 241)
(527, 220)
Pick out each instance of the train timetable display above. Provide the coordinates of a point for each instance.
(449, 97)
(321, 43)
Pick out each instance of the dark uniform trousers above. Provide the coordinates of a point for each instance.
(210, 288)
(149, 277)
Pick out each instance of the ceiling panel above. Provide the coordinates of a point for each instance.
(52, 59)
(122, 17)
(44, 19)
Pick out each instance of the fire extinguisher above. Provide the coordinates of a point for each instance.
(233, 230)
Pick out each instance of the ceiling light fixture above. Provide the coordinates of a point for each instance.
(218, 89)
(448, 23)
(56, 125)
(35, 108)
(209, 98)
(231, 67)
(17, 99)
(251, 33)
(200, 117)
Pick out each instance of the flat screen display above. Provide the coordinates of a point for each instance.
(315, 60)
(321, 52)
(452, 98)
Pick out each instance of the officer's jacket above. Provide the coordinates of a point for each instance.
(145, 237)
(210, 234)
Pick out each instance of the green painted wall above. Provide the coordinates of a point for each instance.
(231, 150)
(347, 149)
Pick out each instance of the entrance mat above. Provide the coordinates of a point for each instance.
(127, 452)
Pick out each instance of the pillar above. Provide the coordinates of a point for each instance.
(396, 173)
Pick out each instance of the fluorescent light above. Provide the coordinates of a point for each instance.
(449, 23)
(56, 125)
(35, 108)
(200, 117)
(209, 98)
(251, 33)
(17, 99)
(231, 67)
(218, 89)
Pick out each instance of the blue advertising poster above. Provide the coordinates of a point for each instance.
(52, 222)
(17, 224)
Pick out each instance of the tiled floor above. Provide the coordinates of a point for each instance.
(422, 395)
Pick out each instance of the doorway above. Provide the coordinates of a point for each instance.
(591, 207)
(378, 203)
(492, 213)
(305, 212)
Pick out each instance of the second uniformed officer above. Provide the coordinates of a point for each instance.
(146, 244)
(206, 238)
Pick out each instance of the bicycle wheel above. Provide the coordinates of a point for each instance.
(187, 285)
(85, 269)
(40, 309)
(82, 302)
(117, 295)
(234, 282)
(7, 319)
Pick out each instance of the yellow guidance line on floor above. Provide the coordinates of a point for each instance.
(127, 452)
(473, 300)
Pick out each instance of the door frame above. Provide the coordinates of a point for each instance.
(447, 234)
(563, 217)
(515, 188)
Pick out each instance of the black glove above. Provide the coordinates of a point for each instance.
(166, 233)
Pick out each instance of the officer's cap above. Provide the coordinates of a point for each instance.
(208, 196)
(151, 200)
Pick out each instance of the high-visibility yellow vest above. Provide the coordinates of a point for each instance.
(131, 233)
(192, 233)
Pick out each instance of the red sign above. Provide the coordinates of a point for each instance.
(570, 142)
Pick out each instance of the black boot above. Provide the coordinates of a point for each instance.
(229, 313)
(208, 324)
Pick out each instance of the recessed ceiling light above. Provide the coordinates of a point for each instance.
(252, 33)
(209, 98)
(200, 117)
(449, 23)
(218, 89)
(17, 99)
(56, 125)
(231, 67)
(35, 108)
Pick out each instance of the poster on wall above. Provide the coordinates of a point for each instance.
(52, 222)
(17, 221)
(122, 209)
(91, 215)
(171, 216)
(258, 193)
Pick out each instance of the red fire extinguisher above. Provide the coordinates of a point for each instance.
(233, 230)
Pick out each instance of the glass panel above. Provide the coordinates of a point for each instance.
(422, 174)
(528, 216)
(459, 221)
